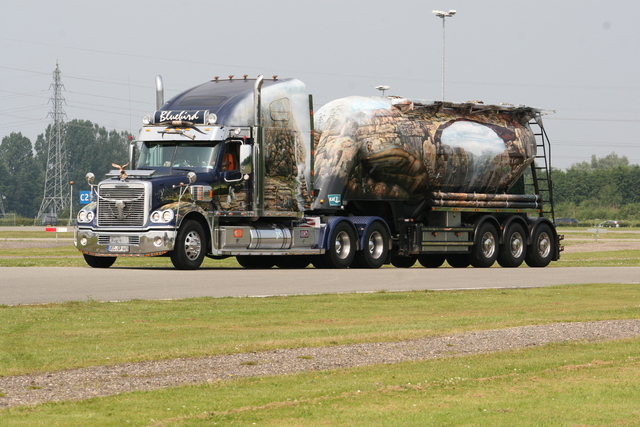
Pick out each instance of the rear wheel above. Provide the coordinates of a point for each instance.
(342, 246)
(485, 248)
(514, 248)
(99, 261)
(189, 250)
(431, 261)
(540, 252)
(376, 247)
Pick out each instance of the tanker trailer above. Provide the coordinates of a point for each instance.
(441, 177)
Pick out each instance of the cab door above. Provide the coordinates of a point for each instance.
(231, 191)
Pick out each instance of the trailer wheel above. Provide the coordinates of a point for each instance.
(376, 247)
(188, 252)
(514, 249)
(99, 261)
(485, 248)
(540, 252)
(256, 261)
(403, 261)
(342, 247)
(431, 261)
(459, 260)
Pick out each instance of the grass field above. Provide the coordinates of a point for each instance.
(572, 384)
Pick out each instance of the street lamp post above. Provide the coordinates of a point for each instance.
(443, 15)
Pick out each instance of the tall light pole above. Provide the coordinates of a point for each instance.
(443, 15)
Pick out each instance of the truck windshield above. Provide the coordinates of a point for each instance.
(159, 154)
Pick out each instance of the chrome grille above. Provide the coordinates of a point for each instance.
(121, 206)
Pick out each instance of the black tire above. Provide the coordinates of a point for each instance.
(431, 261)
(459, 260)
(190, 247)
(376, 247)
(540, 252)
(256, 261)
(485, 248)
(342, 246)
(514, 247)
(403, 261)
(99, 261)
(292, 261)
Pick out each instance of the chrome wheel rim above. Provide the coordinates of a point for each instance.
(192, 245)
(544, 245)
(376, 245)
(516, 245)
(488, 244)
(343, 245)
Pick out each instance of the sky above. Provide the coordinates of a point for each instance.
(578, 59)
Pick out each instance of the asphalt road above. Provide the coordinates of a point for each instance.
(33, 285)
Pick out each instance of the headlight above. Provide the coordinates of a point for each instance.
(85, 216)
(162, 216)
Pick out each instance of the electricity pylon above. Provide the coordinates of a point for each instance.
(56, 188)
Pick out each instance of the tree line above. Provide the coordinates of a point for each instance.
(606, 188)
(23, 164)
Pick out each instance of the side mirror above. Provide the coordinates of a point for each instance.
(245, 158)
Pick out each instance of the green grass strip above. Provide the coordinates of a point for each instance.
(79, 334)
(561, 384)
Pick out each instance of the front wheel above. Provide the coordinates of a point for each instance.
(99, 261)
(485, 248)
(376, 247)
(342, 246)
(540, 252)
(189, 250)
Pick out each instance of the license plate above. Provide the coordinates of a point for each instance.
(119, 240)
(118, 248)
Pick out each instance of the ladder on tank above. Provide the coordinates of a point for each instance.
(541, 169)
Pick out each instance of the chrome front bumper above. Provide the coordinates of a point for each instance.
(115, 243)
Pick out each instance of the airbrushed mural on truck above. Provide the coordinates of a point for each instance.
(244, 168)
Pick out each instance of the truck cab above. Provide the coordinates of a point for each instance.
(225, 152)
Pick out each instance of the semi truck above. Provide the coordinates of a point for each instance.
(241, 167)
